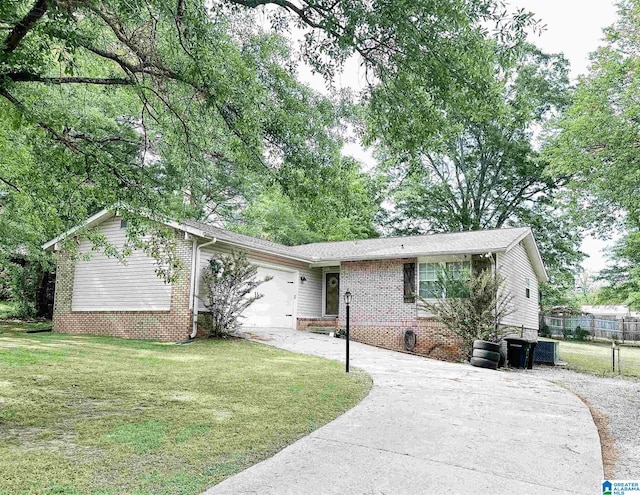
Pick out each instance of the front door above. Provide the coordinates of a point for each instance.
(332, 293)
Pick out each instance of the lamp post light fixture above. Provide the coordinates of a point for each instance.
(347, 301)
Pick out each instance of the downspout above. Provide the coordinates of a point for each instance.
(194, 284)
(494, 257)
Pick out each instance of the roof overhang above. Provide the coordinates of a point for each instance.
(372, 257)
(92, 221)
(106, 214)
(530, 245)
(526, 238)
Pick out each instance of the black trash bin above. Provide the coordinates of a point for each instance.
(517, 352)
(532, 351)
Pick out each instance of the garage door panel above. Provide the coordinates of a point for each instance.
(275, 307)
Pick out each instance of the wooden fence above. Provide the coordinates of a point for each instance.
(623, 329)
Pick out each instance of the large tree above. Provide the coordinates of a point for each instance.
(596, 139)
(483, 170)
(139, 99)
(141, 103)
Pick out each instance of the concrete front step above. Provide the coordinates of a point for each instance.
(322, 330)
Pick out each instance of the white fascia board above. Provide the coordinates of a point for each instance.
(96, 219)
(186, 228)
(518, 239)
(324, 264)
(534, 254)
(106, 214)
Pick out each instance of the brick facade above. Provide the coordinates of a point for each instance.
(379, 316)
(304, 323)
(169, 326)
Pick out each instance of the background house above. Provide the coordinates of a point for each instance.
(102, 295)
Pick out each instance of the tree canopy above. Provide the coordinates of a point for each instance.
(595, 144)
(136, 101)
(194, 109)
(483, 168)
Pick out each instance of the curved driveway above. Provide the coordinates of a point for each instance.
(433, 427)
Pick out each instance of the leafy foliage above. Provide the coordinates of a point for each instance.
(596, 140)
(147, 100)
(623, 274)
(596, 145)
(337, 203)
(482, 170)
(230, 283)
(476, 316)
(143, 103)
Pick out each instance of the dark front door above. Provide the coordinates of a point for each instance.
(332, 293)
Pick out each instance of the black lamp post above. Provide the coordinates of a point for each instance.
(347, 301)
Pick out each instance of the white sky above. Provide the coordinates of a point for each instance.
(573, 27)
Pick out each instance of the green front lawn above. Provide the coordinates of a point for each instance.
(102, 415)
(595, 357)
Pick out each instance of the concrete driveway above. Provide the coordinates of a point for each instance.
(433, 427)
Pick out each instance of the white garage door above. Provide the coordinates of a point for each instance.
(275, 308)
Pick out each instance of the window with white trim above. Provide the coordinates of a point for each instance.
(432, 275)
(527, 289)
(428, 275)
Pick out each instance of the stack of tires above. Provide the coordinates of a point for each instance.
(485, 354)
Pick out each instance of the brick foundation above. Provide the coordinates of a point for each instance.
(304, 323)
(379, 316)
(168, 326)
(432, 339)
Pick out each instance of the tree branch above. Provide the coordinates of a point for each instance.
(13, 186)
(31, 77)
(27, 23)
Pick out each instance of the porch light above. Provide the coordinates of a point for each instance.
(347, 301)
(347, 298)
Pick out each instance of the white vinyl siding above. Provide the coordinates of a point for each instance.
(105, 284)
(310, 293)
(516, 269)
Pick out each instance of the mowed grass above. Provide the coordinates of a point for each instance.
(100, 415)
(595, 357)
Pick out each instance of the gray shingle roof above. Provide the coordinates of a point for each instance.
(245, 240)
(481, 241)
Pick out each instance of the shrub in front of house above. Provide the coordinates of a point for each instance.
(229, 281)
(476, 310)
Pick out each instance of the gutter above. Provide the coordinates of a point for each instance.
(195, 276)
(373, 257)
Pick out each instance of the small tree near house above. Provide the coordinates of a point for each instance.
(230, 281)
(471, 307)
